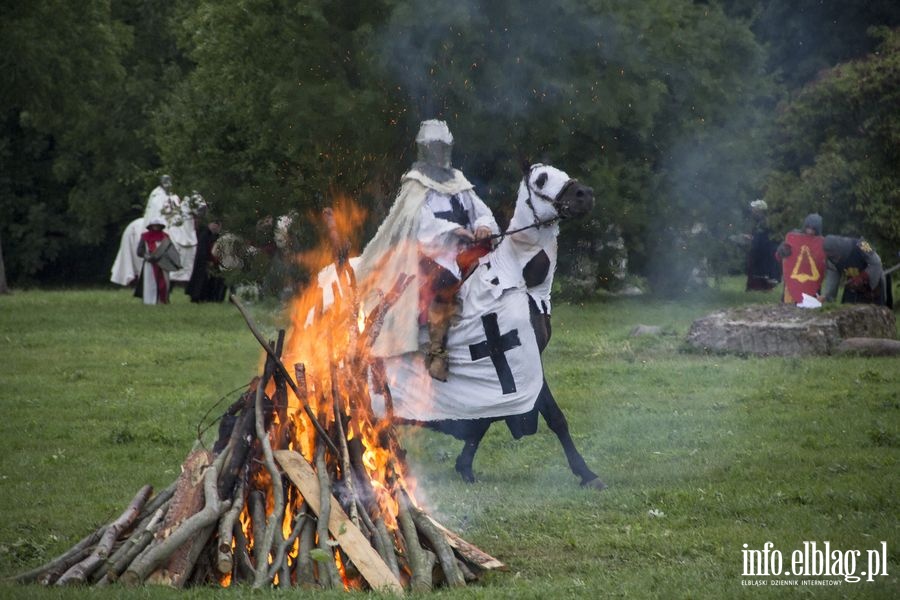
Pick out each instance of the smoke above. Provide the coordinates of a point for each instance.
(493, 57)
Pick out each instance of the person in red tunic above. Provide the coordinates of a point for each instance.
(153, 286)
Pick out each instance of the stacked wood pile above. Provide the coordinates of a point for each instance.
(303, 487)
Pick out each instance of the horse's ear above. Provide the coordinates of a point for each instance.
(526, 166)
(541, 180)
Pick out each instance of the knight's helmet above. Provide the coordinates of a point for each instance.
(435, 144)
(165, 182)
(813, 221)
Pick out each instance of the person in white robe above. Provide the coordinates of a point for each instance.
(179, 217)
(127, 267)
(436, 216)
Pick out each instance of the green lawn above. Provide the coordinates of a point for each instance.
(702, 454)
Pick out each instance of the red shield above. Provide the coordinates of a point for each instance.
(804, 269)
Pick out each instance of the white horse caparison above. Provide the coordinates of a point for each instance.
(529, 246)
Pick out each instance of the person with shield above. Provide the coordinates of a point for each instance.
(856, 262)
(803, 260)
(160, 259)
(435, 219)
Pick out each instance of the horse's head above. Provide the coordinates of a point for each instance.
(552, 193)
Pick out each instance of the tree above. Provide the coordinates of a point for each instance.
(281, 108)
(839, 147)
(58, 61)
(805, 37)
(658, 105)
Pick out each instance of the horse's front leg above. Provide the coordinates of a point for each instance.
(557, 422)
(475, 433)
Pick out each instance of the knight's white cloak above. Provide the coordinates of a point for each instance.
(395, 248)
(127, 266)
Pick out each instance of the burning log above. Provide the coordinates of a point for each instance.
(305, 485)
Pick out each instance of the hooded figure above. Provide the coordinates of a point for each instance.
(855, 260)
(763, 270)
(435, 216)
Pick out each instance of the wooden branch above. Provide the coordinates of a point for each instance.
(281, 552)
(385, 546)
(224, 554)
(332, 578)
(134, 546)
(421, 561)
(346, 471)
(240, 443)
(243, 567)
(156, 555)
(258, 525)
(283, 370)
(49, 572)
(473, 555)
(156, 502)
(81, 571)
(438, 543)
(277, 515)
(304, 571)
(370, 564)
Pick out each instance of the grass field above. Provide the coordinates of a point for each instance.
(703, 454)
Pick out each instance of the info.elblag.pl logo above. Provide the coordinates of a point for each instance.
(813, 560)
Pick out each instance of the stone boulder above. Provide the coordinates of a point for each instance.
(786, 330)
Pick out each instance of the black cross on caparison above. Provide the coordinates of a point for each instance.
(457, 213)
(496, 346)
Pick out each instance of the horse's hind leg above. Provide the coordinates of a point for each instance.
(557, 422)
(466, 457)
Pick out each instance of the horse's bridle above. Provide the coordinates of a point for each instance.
(555, 201)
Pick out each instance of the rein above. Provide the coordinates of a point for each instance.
(535, 225)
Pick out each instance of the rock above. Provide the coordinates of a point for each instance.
(861, 346)
(785, 330)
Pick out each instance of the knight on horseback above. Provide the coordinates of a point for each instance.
(435, 219)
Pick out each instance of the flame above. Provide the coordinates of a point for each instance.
(326, 343)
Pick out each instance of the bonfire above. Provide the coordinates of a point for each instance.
(305, 485)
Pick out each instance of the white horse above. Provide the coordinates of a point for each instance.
(494, 346)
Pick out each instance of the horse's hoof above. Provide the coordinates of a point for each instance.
(465, 472)
(595, 484)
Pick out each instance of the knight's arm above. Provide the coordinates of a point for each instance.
(142, 248)
(483, 215)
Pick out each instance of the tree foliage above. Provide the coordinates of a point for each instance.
(838, 149)
(79, 82)
(665, 107)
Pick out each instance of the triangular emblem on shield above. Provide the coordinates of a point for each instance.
(804, 269)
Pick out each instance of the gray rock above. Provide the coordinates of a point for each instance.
(869, 347)
(785, 330)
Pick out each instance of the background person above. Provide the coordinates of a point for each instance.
(153, 285)
(856, 262)
(763, 270)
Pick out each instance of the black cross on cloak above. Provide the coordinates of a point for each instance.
(457, 213)
(496, 346)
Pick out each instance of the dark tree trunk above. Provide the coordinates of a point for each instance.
(4, 289)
